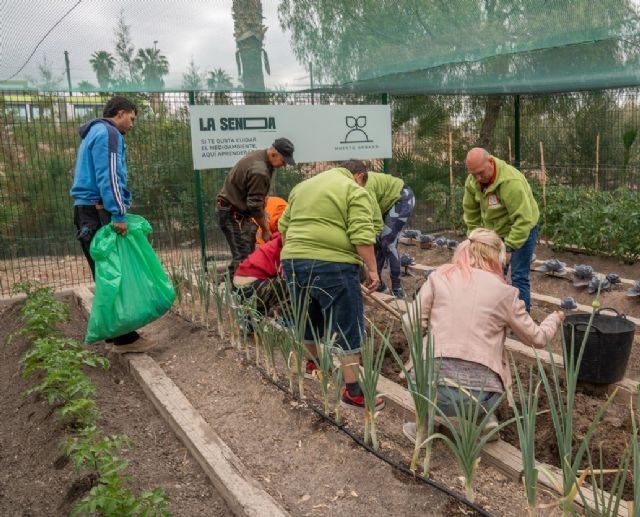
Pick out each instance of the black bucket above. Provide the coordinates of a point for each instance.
(608, 345)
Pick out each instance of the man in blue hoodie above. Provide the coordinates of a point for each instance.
(99, 187)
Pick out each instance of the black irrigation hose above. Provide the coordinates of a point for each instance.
(377, 454)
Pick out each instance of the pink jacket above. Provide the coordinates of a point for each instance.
(469, 320)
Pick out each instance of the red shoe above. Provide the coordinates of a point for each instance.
(348, 401)
(310, 369)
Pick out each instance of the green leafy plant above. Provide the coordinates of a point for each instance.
(634, 444)
(561, 408)
(268, 336)
(325, 347)
(468, 434)
(110, 496)
(526, 413)
(368, 377)
(293, 306)
(422, 383)
(607, 503)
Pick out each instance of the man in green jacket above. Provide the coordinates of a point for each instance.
(396, 202)
(328, 233)
(498, 197)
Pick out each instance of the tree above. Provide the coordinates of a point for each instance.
(219, 81)
(474, 46)
(103, 64)
(86, 86)
(153, 66)
(249, 32)
(192, 79)
(48, 81)
(125, 52)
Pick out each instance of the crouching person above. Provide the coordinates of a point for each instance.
(259, 275)
(469, 307)
(328, 233)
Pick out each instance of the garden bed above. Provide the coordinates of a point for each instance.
(36, 479)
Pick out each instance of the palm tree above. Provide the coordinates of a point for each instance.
(218, 80)
(154, 67)
(248, 32)
(103, 64)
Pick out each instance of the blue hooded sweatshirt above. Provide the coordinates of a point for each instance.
(101, 169)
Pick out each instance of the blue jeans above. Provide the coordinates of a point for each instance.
(335, 300)
(449, 397)
(521, 267)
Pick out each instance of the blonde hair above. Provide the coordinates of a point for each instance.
(483, 250)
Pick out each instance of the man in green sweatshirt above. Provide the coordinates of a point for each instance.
(396, 202)
(498, 197)
(328, 233)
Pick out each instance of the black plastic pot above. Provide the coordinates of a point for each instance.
(608, 346)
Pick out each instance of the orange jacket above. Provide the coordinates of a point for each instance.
(273, 209)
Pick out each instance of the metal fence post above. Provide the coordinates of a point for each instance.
(199, 207)
(386, 162)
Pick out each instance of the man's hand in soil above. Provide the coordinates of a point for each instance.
(120, 228)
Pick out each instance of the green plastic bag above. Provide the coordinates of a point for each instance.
(132, 289)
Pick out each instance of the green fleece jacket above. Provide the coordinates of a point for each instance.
(385, 189)
(506, 207)
(328, 215)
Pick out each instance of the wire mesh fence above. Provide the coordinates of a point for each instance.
(584, 139)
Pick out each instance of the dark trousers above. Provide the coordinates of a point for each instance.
(88, 220)
(240, 233)
(270, 294)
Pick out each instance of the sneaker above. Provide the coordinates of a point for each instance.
(310, 370)
(141, 345)
(398, 292)
(126, 339)
(347, 401)
(492, 423)
(381, 288)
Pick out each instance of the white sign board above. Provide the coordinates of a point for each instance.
(221, 135)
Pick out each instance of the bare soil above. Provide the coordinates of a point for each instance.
(307, 464)
(36, 479)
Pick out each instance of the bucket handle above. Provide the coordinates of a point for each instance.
(618, 314)
(586, 326)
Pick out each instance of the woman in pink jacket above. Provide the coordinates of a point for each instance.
(470, 306)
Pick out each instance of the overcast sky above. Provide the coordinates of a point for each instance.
(202, 29)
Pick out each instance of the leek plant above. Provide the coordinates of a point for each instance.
(268, 336)
(187, 267)
(607, 504)
(294, 306)
(468, 434)
(422, 383)
(525, 416)
(336, 380)
(204, 294)
(325, 346)
(177, 280)
(561, 408)
(286, 349)
(368, 379)
(634, 506)
(217, 290)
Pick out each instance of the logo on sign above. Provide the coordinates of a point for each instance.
(356, 135)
